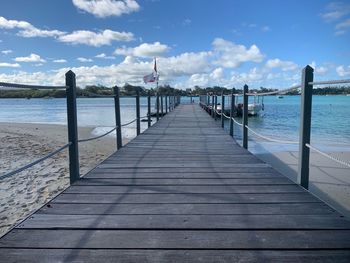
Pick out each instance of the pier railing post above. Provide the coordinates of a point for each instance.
(215, 106)
(232, 112)
(72, 127)
(305, 126)
(212, 106)
(117, 117)
(161, 105)
(166, 103)
(138, 120)
(222, 110)
(245, 117)
(149, 109)
(157, 103)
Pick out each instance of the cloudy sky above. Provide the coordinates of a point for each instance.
(196, 42)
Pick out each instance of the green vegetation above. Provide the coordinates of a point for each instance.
(130, 90)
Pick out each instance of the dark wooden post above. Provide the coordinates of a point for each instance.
(305, 126)
(212, 105)
(149, 109)
(166, 103)
(245, 117)
(157, 102)
(138, 120)
(191, 99)
(232, 112)
(216, 106)
(208, 100)
(72, 127)
(161, 105)
(222, 110)
(117, 117)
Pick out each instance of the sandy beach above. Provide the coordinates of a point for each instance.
(25, 192)
(329, 180)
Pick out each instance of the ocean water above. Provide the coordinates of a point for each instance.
(279, 120)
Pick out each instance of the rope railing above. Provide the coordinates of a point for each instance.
(337, 160)
(26, 86)
(35, 162)
(234, 120)
(270, 139)
(330, 82)
(98, 137)
(275, 92)
(128, 123)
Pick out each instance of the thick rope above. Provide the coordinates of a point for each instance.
(328, 156)
(25, 86)
(269, 139)
(34, 163)
(274, 92)
(97, 137)
(330, 82)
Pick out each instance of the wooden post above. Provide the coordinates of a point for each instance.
(149, 109)
(157, 102)
(117, 117)
(216, 106)
(166, 103)
(231, 113)
(72, 127)
(138, 120)
(245, 117)
(212, 106)
(222, 110)
(161, 105)
(305, 126)
(208, 100)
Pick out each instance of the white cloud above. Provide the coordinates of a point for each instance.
(27, 29)
(335, 11)
(217, 73)
(103, 55)
(6, 52)
(10, 65)
(231, 55)
(11, 24)
(31, 58)
(342, 27)
(96, 39)
(85, 59)
(59, 61)
(283, 65)
(105, 8)
(343, 71)
(36, 32)
(144, 50)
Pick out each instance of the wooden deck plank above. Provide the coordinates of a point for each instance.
(188, 209)
(178, 239)
(188, 222)
(161, 256)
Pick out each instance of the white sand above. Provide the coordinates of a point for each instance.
(329, 180)
(23, 193)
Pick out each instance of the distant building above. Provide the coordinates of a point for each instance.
(188, 91)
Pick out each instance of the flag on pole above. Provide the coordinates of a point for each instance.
(153, 77)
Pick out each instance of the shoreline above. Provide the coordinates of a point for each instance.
(27, 191)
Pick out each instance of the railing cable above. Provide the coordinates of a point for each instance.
(97, 137)
(330, 82)
(25, 86)
(35, 162)
(328, 156)
(275, 92)
(269, 139)
(234, 120)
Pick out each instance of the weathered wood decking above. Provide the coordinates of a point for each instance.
(183, 191)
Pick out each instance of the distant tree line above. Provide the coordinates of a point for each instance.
(92, 91)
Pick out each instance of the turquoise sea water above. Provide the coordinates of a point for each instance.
(279, 120)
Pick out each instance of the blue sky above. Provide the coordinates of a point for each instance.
(196, 42)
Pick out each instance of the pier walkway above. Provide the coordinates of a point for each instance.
(183, 191)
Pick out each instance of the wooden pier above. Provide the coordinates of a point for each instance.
(183, 191)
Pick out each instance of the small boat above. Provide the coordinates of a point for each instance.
(280, 97)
